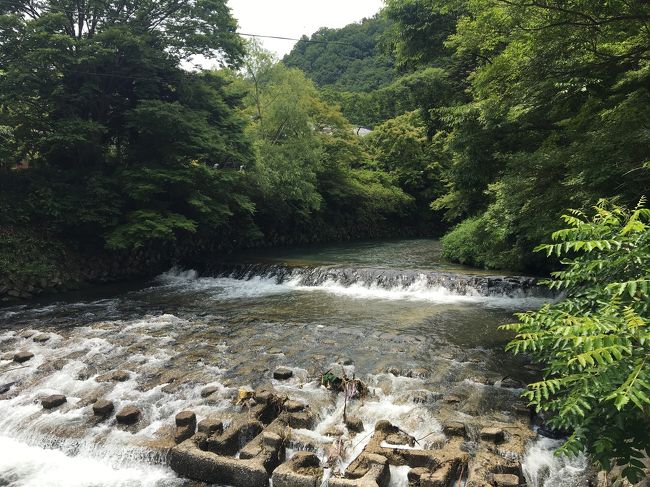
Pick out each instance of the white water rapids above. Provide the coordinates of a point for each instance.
(186, 332)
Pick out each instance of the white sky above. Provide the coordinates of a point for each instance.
(294, 18)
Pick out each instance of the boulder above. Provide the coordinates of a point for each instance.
(128, 415)
(186, 418)
(282, 373)
(22, 357)
(51, 402)
(103, 407)
(41, 338)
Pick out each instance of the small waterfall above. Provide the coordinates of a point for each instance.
(405, 283)
(399, 476)
(542, 468)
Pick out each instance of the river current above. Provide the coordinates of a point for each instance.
(391, 313)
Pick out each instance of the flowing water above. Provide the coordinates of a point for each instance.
(408, 324)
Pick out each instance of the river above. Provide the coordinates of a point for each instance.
(415, 329)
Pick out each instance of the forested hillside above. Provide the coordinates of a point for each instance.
(347, 59)
(528, 109)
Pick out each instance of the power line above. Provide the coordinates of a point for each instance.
(51, 8)
(303, 39)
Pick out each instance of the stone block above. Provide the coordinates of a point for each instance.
(51, 402)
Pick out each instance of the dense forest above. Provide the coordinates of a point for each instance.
(489, 118)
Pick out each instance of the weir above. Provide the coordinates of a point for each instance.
(454, 283)
(441, 405)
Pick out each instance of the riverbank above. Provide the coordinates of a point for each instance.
(34, 264)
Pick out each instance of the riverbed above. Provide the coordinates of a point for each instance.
(415, 329)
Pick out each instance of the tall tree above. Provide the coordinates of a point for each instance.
(115, 132)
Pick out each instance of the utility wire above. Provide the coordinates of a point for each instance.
(51, 8)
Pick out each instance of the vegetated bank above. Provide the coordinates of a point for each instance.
(115, 161)
(527, 108)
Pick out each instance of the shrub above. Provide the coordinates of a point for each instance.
(595, 342)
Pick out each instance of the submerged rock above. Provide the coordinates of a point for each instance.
(208, 391)
(451, 399)
(22, 357)
(41, 338)
(51, 402)
(117, 376)
(128, 415)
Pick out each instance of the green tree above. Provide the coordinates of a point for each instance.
(595, 342)
(348, 59)
(119, 139)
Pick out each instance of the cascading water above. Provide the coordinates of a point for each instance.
(542, 468)
(414, 337)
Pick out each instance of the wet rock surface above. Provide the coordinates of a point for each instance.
(103, 407)
(128, 415)
(53, 401)
(22, 357)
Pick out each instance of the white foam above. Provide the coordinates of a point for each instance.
(542, 468)
(399, 476)
(258, 286)
(23, 465)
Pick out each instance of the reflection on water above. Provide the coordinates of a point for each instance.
(392, 254)
(182, 331)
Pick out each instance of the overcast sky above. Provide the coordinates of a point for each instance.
(294, 18)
